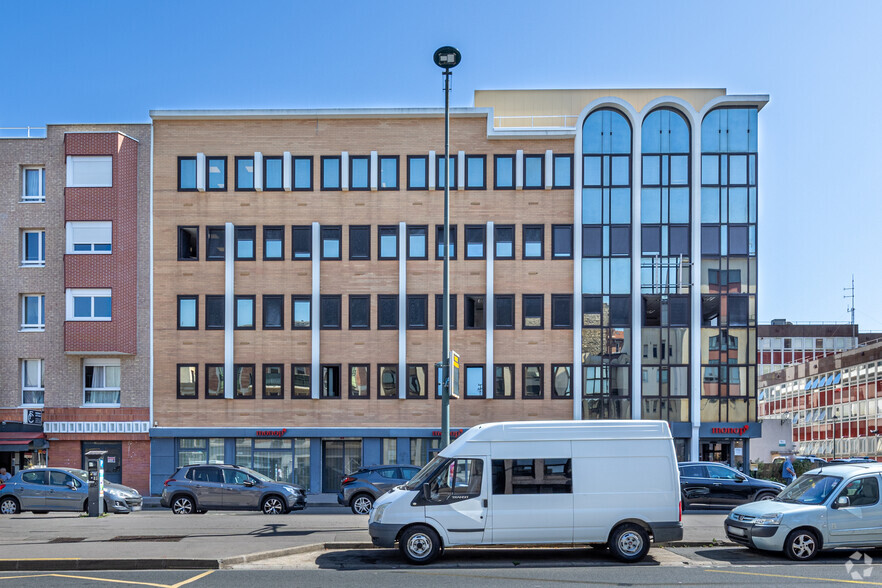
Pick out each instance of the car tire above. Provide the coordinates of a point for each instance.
(765, 496)
(182, 505)
(9, 506)
(801, 545)
(361, 504)
(273, 505)
(420, 544)
(629, 543)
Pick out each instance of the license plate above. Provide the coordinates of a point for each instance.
(134, 508)
(737, 531)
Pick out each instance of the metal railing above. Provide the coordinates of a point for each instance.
(529, 121)
(22, 132)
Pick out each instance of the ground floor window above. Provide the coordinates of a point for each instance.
(283, 460)
(390, 450)
(197, 451)
(422, 450)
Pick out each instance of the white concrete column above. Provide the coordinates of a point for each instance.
(489, 307)
(402, 310)
(375, 171)
(315, 307)
(549, 169)
(460, 171)
(229, 309)
(577, 381)
(258, 171)
(431, 170)
(636, 295)
(695, 297)
(200, 172)
(286, 171)
(519, 169)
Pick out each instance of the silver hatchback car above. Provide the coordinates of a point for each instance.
(53, 489)
(199, 488)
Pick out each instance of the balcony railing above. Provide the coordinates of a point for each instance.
(22, 132)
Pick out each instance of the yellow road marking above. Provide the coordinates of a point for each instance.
(55, 575)
(29, 576)
(193, 579)
(796, 577)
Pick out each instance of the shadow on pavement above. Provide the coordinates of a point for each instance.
(745, 556)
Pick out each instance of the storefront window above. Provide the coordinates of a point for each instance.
(275, 459)
(196, 451)
(390, 450)
(421, 450)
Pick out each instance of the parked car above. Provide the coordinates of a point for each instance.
(360, 489)
(852, 460)
(41, 490)
(828, 507)
(811, 459)
(714, 484)
(199, 488)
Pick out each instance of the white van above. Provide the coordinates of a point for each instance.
(539, 483)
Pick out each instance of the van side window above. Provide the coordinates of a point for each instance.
(532, 476)
(460, 479)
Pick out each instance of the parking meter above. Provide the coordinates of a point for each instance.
(95, 469)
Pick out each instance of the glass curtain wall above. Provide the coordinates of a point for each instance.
(606, 266)
(665, 266)
(728, 265)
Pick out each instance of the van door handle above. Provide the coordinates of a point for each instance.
(485, 503)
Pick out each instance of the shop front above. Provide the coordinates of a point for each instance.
(728, 443)
(22, 446)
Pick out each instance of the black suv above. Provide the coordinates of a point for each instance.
(713, 484)
(199, 488)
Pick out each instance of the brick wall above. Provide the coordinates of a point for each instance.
(68, 452)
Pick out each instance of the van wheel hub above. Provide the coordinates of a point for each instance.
(630, 543)
(419, 545)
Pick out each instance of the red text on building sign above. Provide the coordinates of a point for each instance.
(729, 430)
(272, 433)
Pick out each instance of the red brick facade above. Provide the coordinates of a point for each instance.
(68, 452)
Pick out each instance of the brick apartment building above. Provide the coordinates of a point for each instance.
(74, 315)
(603, 266)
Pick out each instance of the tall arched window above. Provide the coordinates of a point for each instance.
(606, 266)
(665, 266)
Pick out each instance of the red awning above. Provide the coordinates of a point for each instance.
(19, 441)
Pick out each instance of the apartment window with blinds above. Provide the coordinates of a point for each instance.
(101, 382)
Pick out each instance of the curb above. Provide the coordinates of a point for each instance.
(241, 559)
(92, 565)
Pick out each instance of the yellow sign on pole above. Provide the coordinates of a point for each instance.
(454, 374)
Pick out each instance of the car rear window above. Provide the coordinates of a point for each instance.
(34, 477)
(692, 471)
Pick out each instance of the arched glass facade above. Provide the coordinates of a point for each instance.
(665, 230)
(728, 265)
(606, 266)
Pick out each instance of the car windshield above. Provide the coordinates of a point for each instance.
(424, 473)
(257, 475)
(810, 489)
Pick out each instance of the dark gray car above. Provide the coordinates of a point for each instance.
(58, 489)
(359, 490)
(200, 488)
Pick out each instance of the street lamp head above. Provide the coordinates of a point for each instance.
(447, 57)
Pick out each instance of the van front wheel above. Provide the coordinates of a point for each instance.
(420, 544)
(629, 543)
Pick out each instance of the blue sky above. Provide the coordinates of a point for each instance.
(820, 141)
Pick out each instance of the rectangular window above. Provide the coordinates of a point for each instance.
(503, 312)
(534, 308)
(417, 172)
(387, 311)
(359, 381)
(32, 389)
(532, 382)
(592, 241)
(214, 380)
(214, 311)
(416, 381)
(33, 312)
(245, 237)
(534, 175)
(534, 236)
(188, 243)
(244, 380)
(563, 171)
(474, 381)
(388, 172)
(561, 311)
(503, 381)
(244, 312)
(475, 237)
(417, 311)
(89, 171)
(101, 379)
(329, 311)
(476, 173)
(216, 174)
(417, 242)
(439, 172)
(331, 242)
(503, 172)
(330, 172)
(561, 381)
(388, 242)
(359, 242)
(88, 305)
(301, 242)
(359, 172)
(33, 248)
(301, 171)
(359, 311)
(439, 311)
(245, 173)
(562, 241)
(439, 241)
(330, 381)
(474, 311)
(301, 311)
(186, 174)
(273, 311)
(387, 381)
(503, 237)
(272, 173)
(188, 385)
(89, 237)
(188, 311)
(33, 184)
(215, 243)
(532, 476)
(301, 381)
(273, 243)
(273, 381)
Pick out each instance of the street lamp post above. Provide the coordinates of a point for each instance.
(446, 58)
(834, 419)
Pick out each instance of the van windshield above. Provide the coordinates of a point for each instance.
(810, 489)
(424, 473)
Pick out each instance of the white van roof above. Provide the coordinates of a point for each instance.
(566, 430)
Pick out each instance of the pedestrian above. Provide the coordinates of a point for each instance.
(4, 475)
(787, 472)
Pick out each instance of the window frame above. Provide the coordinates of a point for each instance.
(425, 159)
(281, 256)
(554, 158)
(380, 325)
(415, 230)
(71, 171)
(182, 229)
(300, 298)
(465, 299)
(41, 246)
(245, 229)
(439, 315)
(208, 160)
(92, 293)
(360, 297)
(554, 240)
(387, 366)
(280, 298)
(296, 229)
(263, 378)
(223, 384)
(483, 159)
(294, 160)
(511, 368)
(339, 160)
(41, 388)
(524, 368)
(339, 370)
(407, 393)
(451, 158)
(281, 160)
(569, 324)
(439, 232)
(308, 368)
(387, 229)
(236, 299)
(358, 228)
(102, 363)
(532, 297)
(414, 326)
(397, 161)
(330, 298)
(496, 229)
(465, 378)
(195, 395)
(524, 241)
(331, 228)
(483, 230)
(497, 325)
(214, 298)
(195, 298)
(496, 158)
(552, 393)
(367, 165)
(182, 158)
(541, 184)
(40, 325)
(214, 229)
(239, 158)
(367, 392)
(236, 394)
(25, 197)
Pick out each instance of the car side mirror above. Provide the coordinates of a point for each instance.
(248, 483)
(739, 479)
(841, 502)
(71, 484)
